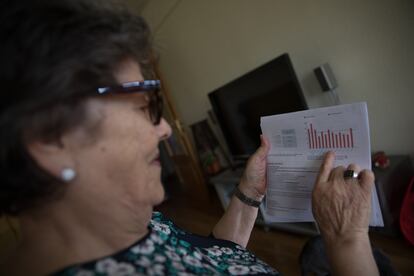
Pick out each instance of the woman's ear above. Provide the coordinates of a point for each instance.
(52, 156)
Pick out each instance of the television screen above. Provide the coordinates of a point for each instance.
(272, 88)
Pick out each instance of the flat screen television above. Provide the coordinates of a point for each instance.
(272, 88)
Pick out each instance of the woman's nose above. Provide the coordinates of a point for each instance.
(163, 129)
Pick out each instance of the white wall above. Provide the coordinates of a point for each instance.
(203, 44)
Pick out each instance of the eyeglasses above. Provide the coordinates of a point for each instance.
(152, 86)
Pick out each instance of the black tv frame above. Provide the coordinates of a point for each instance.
(228, 108)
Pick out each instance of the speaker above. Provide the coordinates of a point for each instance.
(325, 77)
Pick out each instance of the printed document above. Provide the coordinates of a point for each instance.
(298, 143)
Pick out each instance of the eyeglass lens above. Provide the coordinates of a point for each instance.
(155, 107)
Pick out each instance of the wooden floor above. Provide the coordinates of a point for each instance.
(279, 249)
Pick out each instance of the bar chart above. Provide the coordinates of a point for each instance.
(330, 139)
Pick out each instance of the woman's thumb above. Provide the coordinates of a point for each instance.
(263, 150)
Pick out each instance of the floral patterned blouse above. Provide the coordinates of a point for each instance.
(168, 250)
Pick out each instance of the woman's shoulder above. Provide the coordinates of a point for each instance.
(158, 217)
(159, 222)
(165, 226)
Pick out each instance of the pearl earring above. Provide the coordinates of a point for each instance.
(68, 174)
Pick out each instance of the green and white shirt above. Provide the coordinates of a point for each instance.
(168, 250)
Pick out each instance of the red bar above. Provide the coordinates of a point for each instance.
(333, 140)
(352, 138)
(316, 143)
(326, 140)
(337, 141)
(310, 137)
(311, 133)
(315, 140)
(319, 142)
(323, 140)
(347, 141)
(329, 138)
(343, 140)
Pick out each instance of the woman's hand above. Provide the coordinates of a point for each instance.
(238, 220)
(253, 181)
(342, 210)
(342, 207)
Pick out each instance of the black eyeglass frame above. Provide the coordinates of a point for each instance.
(152, 86)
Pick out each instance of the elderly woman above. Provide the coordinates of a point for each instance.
(80, 123)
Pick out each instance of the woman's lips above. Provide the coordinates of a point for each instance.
(157, 161)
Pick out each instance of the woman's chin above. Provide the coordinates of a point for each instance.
(160, 197)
